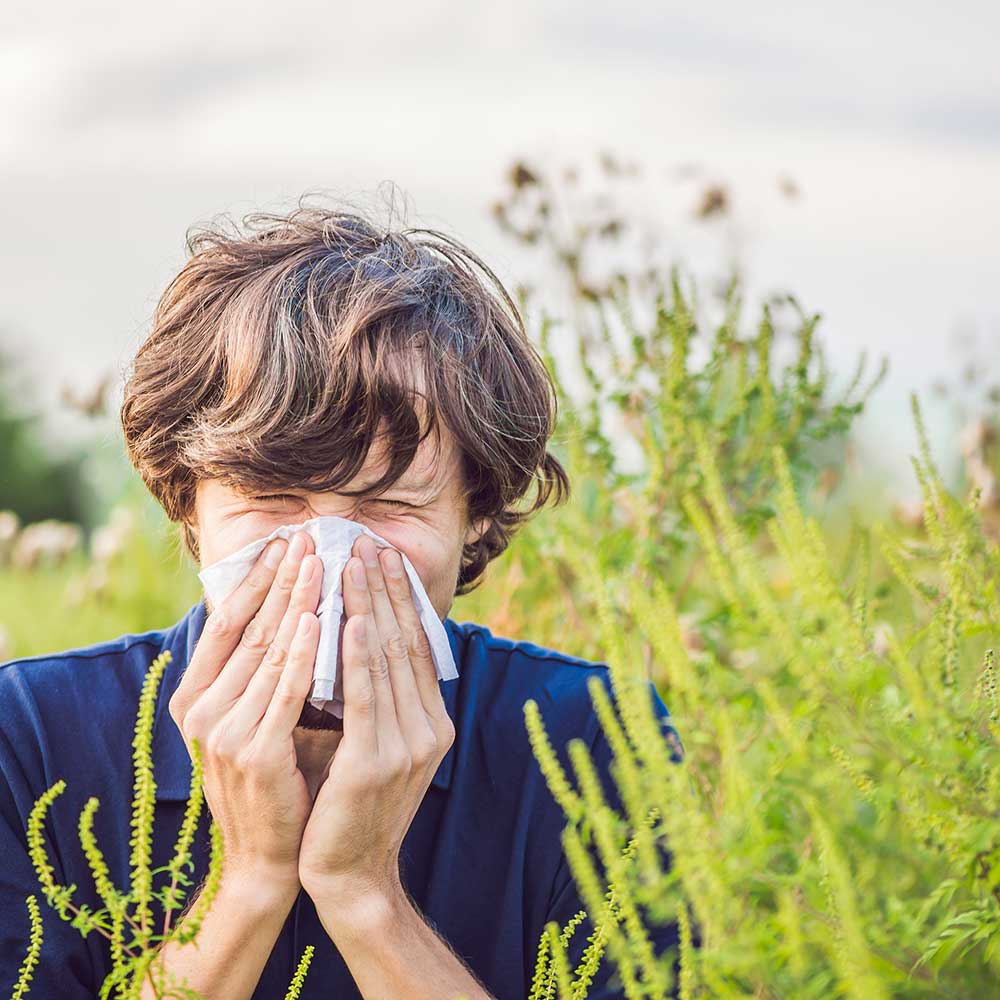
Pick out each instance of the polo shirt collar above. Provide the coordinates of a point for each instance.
(171, 761)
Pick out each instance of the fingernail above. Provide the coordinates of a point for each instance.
(297, 546)
(358, 574)
(274, 553)
(306, 570)
(393, 563)
(369, 553)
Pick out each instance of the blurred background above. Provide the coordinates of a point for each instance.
(847, 155)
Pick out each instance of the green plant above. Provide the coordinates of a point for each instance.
(134, 960)
(835, 825)
(646, 385)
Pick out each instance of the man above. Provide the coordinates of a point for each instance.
(312, 365)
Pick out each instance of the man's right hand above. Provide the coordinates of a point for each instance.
(241, 696)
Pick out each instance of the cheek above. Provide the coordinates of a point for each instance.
(431, 555)
(225, 537)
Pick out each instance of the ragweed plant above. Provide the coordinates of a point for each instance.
(646, 382)
(834, 827)
(134, 962)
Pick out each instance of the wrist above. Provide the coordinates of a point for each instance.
(259, 890)
(350, 908)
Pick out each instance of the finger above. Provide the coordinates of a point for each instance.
(400, 592)
(357, 597)
(293, 686)
(387, 729)
(359, 695)
(252, 704)
(413, 721)
(357, 600)
(262, 630)
(224, 627)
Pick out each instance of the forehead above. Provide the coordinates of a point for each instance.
(434, 464)
(436, 461)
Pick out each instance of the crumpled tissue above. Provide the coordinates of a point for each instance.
(334, 537)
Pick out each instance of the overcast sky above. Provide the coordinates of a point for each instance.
(122, 125)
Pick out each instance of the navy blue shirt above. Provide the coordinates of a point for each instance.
(482, 860)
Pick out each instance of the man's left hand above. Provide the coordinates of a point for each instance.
(396, 732)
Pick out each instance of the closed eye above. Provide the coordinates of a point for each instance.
(277, 496)
(290, 496)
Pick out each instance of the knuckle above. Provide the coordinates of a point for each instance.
(277, 656)
(285, 696)
(218, 622)
(175, 706)
(394, 645)
(378, 666)
(247, 758)
(444, 733)
(217, 743)
(420, 647)
(426, 749)
(193, 724)
(254, 635)
(399, 763)
(258, 582)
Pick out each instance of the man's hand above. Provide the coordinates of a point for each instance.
(241, 695)
(396, 731)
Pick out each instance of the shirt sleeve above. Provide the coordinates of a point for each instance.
(606, 984)
(64, 967)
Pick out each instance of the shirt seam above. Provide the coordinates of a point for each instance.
(70, 655)
(564, 658)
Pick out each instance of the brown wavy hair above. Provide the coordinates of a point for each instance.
(275, 353)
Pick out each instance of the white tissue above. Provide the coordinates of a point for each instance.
(334, 538)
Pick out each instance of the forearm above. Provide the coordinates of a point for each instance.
(392, 952)
(237, 935)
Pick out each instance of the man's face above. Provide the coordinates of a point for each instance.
(423, 515)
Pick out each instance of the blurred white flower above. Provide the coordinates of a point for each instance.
(881, 637)
(909, 513)
(744, 659)
(45, 543)
(112, 537)
(86, 586)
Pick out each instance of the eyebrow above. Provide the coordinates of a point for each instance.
(417, 488)
(422, 488)
(408, 483)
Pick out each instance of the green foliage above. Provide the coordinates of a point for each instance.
(142, 581)
(34, 947)
(646, 388)
(134, 961)
(841, 781)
